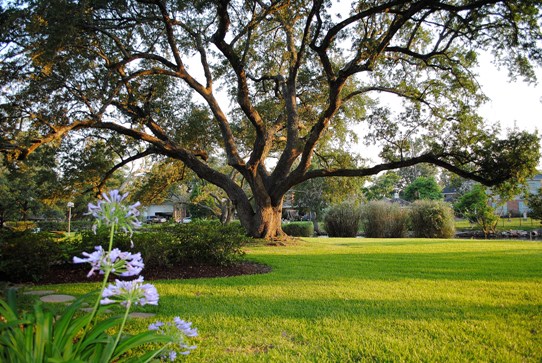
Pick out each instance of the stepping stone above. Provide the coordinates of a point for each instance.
(57, 298)
(39, 292)
(141, 315)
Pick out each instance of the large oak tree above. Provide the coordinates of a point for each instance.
(256, 80)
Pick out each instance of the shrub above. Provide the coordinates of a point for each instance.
(474, 206)
(155, 247)
(50, 226)
(207, 242)
(343, 220)
(89, 240)
(432, 219)
(27, 256)
(21, 226)
(299, 229)
(385, 220)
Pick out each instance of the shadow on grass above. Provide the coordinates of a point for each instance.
(510, 265)
(251, 307)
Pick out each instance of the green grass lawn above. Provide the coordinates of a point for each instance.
(352, 300)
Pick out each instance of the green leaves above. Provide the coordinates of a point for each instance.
(535, 205)
(474, 205)
(423, 188)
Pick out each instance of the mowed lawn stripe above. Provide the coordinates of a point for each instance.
(351, 300)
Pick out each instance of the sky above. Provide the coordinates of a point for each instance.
(512, 103)
(516, 102)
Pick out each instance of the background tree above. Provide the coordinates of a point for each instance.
(383, 186)
(28, 187)
(208, 200)
(299, 78)
(475, 206)
(6, 198)
(423, 188)
(160, 181)
(314, 196)
(535, 205)
(88, 166)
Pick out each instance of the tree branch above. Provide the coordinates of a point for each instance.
(101, 185)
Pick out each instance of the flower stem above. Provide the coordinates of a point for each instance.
(128, 305)
(93, 313)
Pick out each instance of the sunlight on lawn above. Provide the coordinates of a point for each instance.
(340, 300)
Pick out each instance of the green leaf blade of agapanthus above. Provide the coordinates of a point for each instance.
(66, 327)
(140, 339)
(97, 333)
(43, 327)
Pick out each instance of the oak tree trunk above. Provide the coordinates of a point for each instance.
(263, 221)
(267, 223)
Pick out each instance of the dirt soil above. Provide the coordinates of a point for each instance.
(78, 273)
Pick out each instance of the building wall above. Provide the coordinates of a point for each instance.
(518, 206)
(152, 209)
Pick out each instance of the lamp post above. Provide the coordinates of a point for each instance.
(70, 206)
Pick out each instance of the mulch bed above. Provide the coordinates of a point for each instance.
(78, 273)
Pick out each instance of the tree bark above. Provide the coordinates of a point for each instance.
(263, 221)
(268, 223)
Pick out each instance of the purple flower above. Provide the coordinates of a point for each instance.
(156, 326)
(114, 196)
(187, 347)
(111, 210)
(185, 327)
(95, 259)
(172, 355)
(133, 292)
(116, 261)
(131, 265)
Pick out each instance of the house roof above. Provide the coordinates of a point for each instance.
(449, 190)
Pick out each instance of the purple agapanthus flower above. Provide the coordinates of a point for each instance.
(185, 327)
(133, 292)
(114, 196)
(118, 262)
(188, 348)
(111, 210)
(95, 259)
(132, 266)
(156, 326)
(172, 355)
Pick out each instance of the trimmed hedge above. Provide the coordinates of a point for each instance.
(21, 226)
(299, 229)
(207, 242)
(385, 220)
(432, 219)
(198, 242)
(75, 226)
(343, 220)
(26, 256)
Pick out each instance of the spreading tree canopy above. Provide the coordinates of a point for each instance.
(254, 81)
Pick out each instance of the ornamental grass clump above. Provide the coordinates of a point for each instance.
(432, 219)
(383, 219)
(343, 220)
(38, 336)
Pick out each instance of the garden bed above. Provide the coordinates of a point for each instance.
(78, 273)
